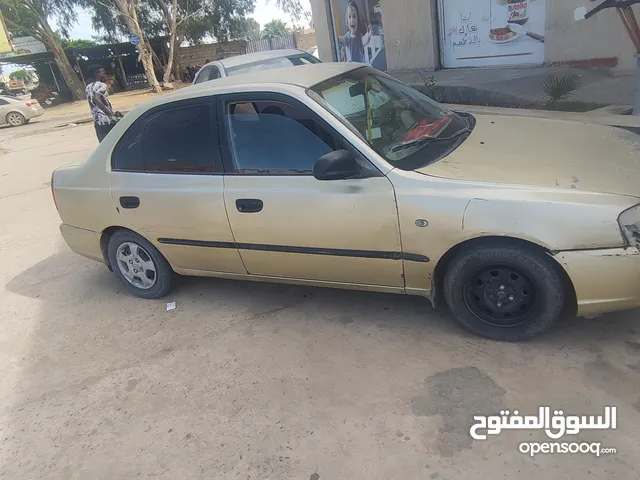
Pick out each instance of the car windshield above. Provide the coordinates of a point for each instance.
(405, 127)
(271, 63)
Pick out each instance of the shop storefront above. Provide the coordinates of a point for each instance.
(432, 34)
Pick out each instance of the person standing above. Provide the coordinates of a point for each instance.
(104, 118)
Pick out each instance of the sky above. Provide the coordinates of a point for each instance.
(266, 10)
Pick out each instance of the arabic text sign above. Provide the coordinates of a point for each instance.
(554, 422)
(464, 33)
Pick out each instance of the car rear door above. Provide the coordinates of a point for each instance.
(4, 109)
(288, 224)
(167, 183)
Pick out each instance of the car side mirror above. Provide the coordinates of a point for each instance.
(338, 165)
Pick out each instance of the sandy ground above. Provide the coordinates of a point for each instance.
(258, 381)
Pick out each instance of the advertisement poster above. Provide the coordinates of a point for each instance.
(479, 33)
(358, 29)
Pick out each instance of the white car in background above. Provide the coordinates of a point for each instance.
(314, 52)
(15, 111)
(253, 62)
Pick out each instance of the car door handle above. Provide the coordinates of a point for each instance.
(129, 202)
(249, 205)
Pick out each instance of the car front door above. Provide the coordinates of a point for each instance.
(167, 183)
(285, 222)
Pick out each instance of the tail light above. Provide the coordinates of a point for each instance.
(32, 103)
(53, 192)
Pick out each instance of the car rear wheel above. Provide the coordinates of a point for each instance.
(15, 119)
(504, 292)
(139, 265)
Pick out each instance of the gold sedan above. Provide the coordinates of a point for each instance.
(337, 175)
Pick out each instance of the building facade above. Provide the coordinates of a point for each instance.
(398, 35)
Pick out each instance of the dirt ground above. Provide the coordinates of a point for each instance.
(259, 381)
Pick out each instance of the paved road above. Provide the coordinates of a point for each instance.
(258, 381)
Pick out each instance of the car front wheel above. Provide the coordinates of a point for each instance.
(504, 291)
(139, 265)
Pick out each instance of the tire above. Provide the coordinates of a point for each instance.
(15, 119)
(148, 274)
(503, 291)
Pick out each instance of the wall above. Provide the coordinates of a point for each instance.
(601, 36)
(305, 39)
(410, 34)
(324, 30)
(198, 54)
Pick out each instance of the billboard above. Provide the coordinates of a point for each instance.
(5, 44)
(479, 33)
(359, 36)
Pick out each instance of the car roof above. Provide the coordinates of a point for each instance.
(257, 56)
(303, 76)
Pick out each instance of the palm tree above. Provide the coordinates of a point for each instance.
(275, 29)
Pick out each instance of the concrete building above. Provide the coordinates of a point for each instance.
(434, 34)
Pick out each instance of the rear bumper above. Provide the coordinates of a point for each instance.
(83, 242)
(34, 112)
(604, 280)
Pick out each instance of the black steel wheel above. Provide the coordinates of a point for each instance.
(504, 291)
(500, 295)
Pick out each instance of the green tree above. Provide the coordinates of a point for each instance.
(25, 75)
(244, 29)
(274, 29)
(77, 43)
(33, 18)
(123, 16)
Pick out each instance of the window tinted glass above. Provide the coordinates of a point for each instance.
(176, 140)
(3, 102)
(179, 140)
(275, 138)
(128, 153)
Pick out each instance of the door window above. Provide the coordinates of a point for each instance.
(203, 76)
(175, 140)
(3, 102)
(275, 138)
(208, 73)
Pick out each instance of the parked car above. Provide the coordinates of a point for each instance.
(253, 62)
(338, 175)
(15, 111)
(314, 52)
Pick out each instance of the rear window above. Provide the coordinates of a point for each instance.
(272, 63)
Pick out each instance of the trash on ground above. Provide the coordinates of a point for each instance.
(171, 306)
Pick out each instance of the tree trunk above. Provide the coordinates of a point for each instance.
(172, 41)
(130, 16)
(177, 67)
(68, 73)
